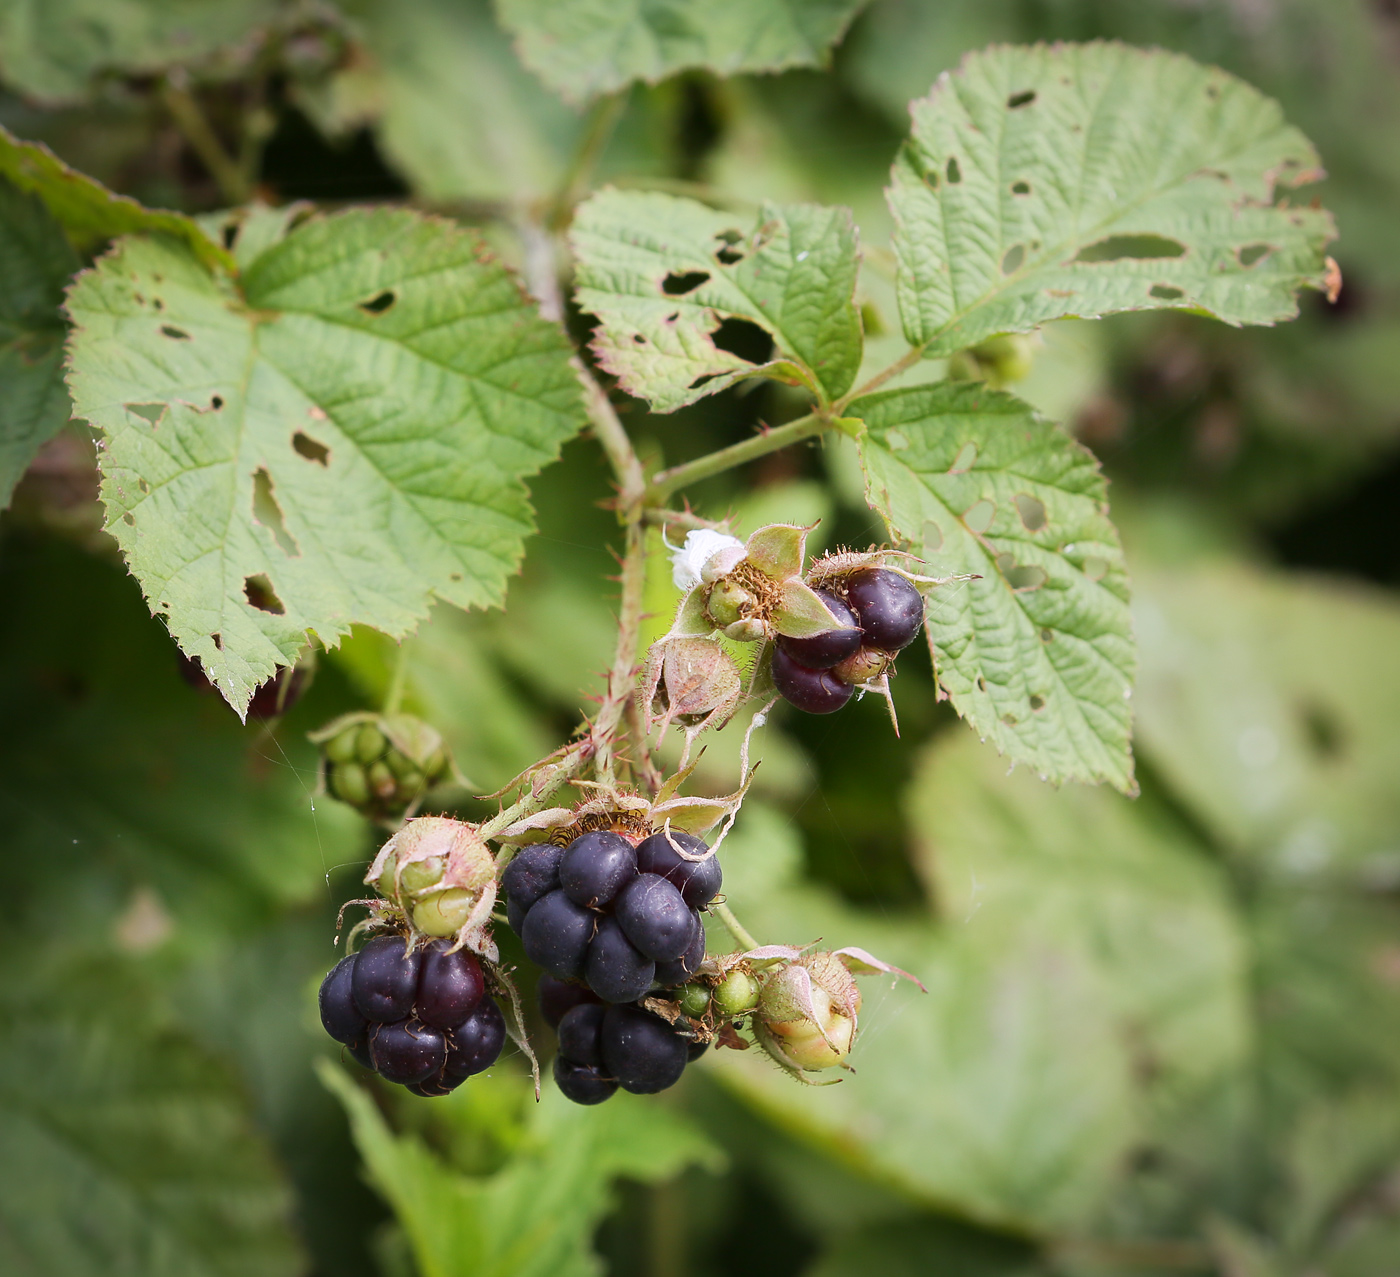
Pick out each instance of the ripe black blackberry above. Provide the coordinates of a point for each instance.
(621, 919)
(602, 1048)
(420, 1017)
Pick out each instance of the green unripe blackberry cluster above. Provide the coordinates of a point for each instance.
(381, 765)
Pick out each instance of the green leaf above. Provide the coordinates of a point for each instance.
(86, 209)
(123, 1148)
(35, 264)
(584, 47)
(53, 50)
(534, 1216)
(338, 441)
(1037, 654)
(1289, 759)
(664, 273)
(1058, 180)
(918, 1247)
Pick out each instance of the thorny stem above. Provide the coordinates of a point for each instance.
(622, 676)
(654, 517)
(736, 928)
(559, 774)
(398, 680)
(190, 119)
(905, 362)
(665, 483)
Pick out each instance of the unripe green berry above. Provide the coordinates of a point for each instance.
(695, 1000)
(369, 743)
(384, 884)
(341, 748)
(442, 914)
(736, 994)
(347, 782)
(399, 763)
(868, 664)
(728, 602)
(435, 763)
(410, 787)
(381, 780)
(418, 875)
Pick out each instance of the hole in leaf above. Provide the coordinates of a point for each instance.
(379, 303)
(727, 253)
(257, 589)
(1253, 254)
(979, 515)
(455, 576)
(703, 379)
(157, 304)
(143, 485)
(1095, 568)
(1047, 635)
(129, 519)
(933, 536)
(1037, 701)
(1117, 248)
(1212, 90)
(744, 338)
(216, 403)
(267, 512)
(896, 439)
(981, 684)
(218, 641)
(677, 284)
(1166, 292)
(639, 339)
(1032, 511)
(230, 235)
(1020, 188)
(965, 460)
(1024, 98)
(931, 179)
(306, 446)
(1010, 720)
(153, 413)
(728, 256)
(1322, 730)
(953, 171)
(1025, 577)
(1015, 255)
(175, 334)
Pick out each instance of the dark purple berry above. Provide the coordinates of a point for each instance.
(695, 1050)
(596, 866)
(580, 1035)
(475, 1044)
(615, 970)
(680, 970)
(449, 985)
(813, 691)
(698, 880)
(889, 608)
(533, 872)
(582, 1084)
(654, 917)
(385, 981)
(641, 1050)
(359, 1052)
(515, 914)
(439, 1084)
(339, 1014)
(822, 651)
(558, 997)
(556, 935)
(407, 1051)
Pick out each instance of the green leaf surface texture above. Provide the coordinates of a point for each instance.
(581, 48)
(53, 50)
(1037, 653)
(663, 273)
(338, 438)
(1011, 1092)
(535, 1216)
(1063, 179)
(36, 261)
(123, 1148)
(86, 209)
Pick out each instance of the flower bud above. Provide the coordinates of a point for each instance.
(807, 1012)
(728, 602)
(736, 994)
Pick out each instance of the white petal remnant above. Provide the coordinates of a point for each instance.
(688, 560)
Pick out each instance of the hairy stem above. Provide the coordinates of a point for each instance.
(622, 677)
(398, 680)
(668, 481)
(905, 362)
(550, 779)
(190, 119)
(598, 131)
(736, 928)
(654, 517)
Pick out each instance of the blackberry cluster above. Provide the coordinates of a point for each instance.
(618, 917)
(602, 1047)
(418, 1017)
(365, 769)
(883, 614)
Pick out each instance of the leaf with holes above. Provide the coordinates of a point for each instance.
(676, 284)
(1037, 653)
(1086, 179)
(35, 264)
(584, 47)
(339, 438)
(86, 209)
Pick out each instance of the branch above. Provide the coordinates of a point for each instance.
(737, 454)
(199, 133)
(736, 928)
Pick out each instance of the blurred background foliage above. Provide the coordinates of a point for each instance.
(1161, 1036)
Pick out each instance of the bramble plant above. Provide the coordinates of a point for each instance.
(317, 420)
